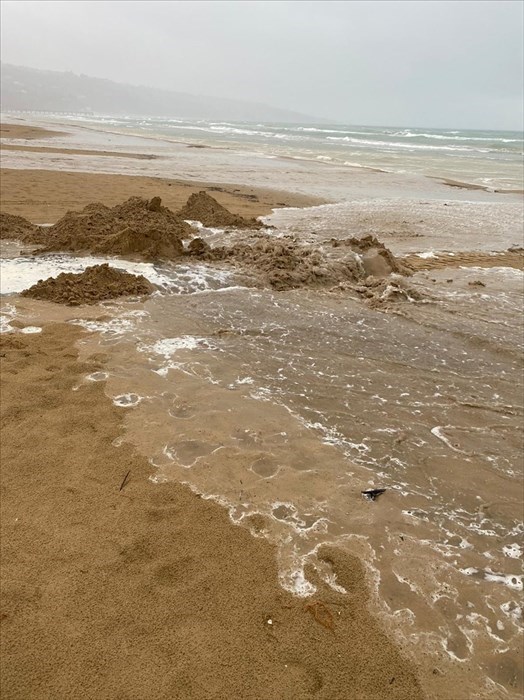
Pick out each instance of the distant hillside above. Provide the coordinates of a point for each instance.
(41, 90)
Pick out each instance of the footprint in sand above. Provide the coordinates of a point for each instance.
(266, 467)
(187, 452)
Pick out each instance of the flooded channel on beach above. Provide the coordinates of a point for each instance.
(286, 406)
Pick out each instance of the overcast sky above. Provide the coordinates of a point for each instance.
(416, 63)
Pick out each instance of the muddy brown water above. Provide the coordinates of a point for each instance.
(285, 406)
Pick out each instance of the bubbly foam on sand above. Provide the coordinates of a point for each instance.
(23, 272)
(31, 329)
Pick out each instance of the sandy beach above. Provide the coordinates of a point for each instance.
(117, 587)
(182, 473)
(44, 196)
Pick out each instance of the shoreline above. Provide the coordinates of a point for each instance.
(125, 585)
(159, 138)
(470, 186)
(53, 192)
(45, 195)
(105, 530)
(76, 151)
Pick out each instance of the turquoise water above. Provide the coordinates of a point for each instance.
(493, 159)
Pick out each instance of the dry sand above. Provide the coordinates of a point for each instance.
(114, 587)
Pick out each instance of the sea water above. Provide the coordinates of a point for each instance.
(492, 159)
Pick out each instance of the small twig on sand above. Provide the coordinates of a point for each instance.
(124, 480)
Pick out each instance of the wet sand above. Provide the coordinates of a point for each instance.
(43, 196)
(26, 131)
(470, 186)
(283, 406)
(113, 586)
(514, 259)
(74, 151)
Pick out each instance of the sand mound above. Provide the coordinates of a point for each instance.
(138, 226)
(17, 228)
(282, 264)
(383, 293)
(198, 247)
(202, 207)
(376, 259)
(95, 284)
(148, 243)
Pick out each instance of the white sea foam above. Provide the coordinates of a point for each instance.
(510, 580)
(97, 377)
(7, 314)
(514, 551)
(5, 325)
(396, 145)
(427, 254)
(437, 432)
(200, 226)
(293, 579)
(167, 347)
(111, 328)
(127, 400)
(23, 272)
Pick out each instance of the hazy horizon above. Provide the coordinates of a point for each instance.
(439, 65)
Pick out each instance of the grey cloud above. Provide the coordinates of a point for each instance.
(407, 63)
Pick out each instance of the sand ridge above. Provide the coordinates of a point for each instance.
(26, 131)
(77, 151)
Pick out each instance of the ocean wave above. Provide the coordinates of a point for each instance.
(337, 131)
(416, 146)
(444, 137)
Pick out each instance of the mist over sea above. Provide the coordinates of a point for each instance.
(492, 159)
